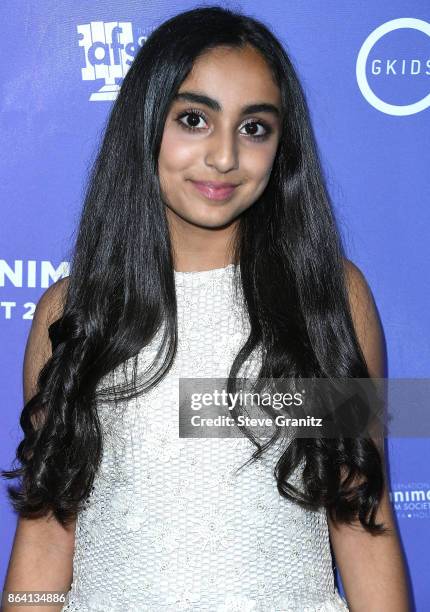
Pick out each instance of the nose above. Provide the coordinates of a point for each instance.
(222, 151)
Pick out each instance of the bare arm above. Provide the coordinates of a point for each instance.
(372, 567)
(42, 551)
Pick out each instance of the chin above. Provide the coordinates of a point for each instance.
(212, 221)
(208, 217)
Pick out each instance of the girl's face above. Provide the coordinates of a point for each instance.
(223, 127)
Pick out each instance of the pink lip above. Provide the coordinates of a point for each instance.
(213, 191)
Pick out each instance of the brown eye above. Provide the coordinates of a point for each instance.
(192, 118)
(252, 127)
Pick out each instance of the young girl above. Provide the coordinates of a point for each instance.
(207, 247)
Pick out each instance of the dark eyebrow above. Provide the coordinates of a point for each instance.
(192, 96)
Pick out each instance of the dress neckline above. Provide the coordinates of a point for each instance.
(202, 276)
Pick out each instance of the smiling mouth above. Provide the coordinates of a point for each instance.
(214, 192)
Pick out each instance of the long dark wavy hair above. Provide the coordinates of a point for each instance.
(121, 288)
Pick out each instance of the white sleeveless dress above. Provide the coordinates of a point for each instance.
(169, 526)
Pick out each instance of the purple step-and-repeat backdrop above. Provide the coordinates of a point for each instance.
(365, 68)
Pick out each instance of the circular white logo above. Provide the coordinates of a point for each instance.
(369, 43)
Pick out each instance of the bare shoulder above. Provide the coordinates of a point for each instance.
(360, 295)
(51, 302)
(358, 287)
(366, 318)
(38, 347)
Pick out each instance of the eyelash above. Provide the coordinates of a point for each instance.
(196, 111)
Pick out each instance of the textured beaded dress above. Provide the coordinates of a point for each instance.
(170, 525)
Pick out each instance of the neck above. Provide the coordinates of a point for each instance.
(197, 248)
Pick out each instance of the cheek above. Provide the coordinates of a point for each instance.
(257, 164)
(175, 153)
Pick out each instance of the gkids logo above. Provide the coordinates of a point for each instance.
(403, 62)
(109, 50)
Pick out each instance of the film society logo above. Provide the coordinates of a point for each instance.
(394, 64)
(109, 49)
(29, 274)
(411, 500)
